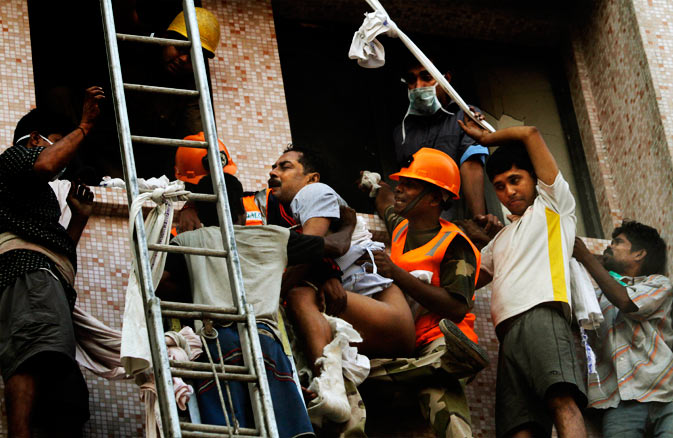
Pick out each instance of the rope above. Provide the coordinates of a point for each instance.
(208, 331)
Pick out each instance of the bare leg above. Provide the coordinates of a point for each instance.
(302, 306)
(567, 416)
(384, 322)
(20, 398)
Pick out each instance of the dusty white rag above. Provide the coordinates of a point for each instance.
(339, 360)
(374, 25)
(584, 302)
(371, 180)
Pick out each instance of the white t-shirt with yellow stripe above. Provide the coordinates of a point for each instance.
(528, 259)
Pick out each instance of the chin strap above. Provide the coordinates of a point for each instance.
(416, 200)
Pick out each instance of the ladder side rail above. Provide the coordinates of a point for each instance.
(163, 379)
(260, 395)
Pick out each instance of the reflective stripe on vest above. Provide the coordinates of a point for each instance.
(429, 257)
(253, 213)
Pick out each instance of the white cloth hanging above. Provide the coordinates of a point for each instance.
(135, 347)
(369, 52)
(584, 302)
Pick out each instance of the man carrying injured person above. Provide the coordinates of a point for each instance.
(264, 251)
(383, 320)
(539, 378)
(436, 266)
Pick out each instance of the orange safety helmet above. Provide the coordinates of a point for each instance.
(435, 167)
(189, 162)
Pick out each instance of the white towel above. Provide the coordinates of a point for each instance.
(587, 310)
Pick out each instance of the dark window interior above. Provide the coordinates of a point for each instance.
(69, 55)
(345, 112)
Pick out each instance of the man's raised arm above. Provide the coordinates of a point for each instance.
(54, 158)
(542, 159)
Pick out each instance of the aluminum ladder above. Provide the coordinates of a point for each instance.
(253, 371)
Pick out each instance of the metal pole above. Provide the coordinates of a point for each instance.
(248, 335)
(162, 374)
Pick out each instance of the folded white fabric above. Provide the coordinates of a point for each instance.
(368, 51)
(143, 184)
(584, 302)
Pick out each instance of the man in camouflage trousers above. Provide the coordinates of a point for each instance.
(436, 266)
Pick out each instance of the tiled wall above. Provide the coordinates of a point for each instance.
(619, 73)
(621, 94)
(250, 110)
(16, 67)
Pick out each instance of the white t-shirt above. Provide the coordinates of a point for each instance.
(262, 251)
(316, 200)
(528, 259)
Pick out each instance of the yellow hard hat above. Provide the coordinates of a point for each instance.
(209, 28)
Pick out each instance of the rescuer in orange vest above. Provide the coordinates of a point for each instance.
(436, 265)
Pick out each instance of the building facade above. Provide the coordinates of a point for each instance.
(595, 77)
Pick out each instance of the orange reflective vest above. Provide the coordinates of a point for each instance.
(253, 214)
(263, 209)
(429, 258)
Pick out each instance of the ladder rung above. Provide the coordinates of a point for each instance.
(242, 431)
(189, 374)
(203, 315)
(202, 197)
(201, 366)
(187, 250)
(174, 142)
(153, 40)
(190, 307)
(160, 90)
(188, 434)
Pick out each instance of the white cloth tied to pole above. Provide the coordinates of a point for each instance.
(374, 26)
(135, 347)
(365, 47)
(583, 296)
(143, 184)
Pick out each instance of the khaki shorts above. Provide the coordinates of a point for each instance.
(536, 352)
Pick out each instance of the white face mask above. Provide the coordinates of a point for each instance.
(423, 101)
(19, 140)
